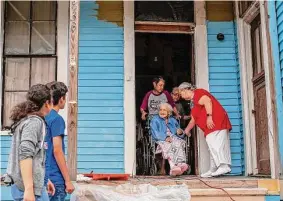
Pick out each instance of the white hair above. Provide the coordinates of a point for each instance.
(168, 108)
(186, 85)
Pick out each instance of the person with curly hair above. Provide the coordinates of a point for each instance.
(26, 164)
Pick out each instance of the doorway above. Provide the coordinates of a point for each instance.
(170, 56)
(260, 100)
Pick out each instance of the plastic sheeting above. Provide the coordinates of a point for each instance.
(130, 192)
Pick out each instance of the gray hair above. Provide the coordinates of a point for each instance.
(168, 108)
(186, 85)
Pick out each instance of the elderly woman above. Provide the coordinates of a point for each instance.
(167, 134)
(208, 114)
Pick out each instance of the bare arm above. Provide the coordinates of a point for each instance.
(60, 157)
(190, 126)
(206, 101)
(26, 171)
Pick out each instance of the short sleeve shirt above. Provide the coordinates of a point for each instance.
(152, 101)
(56, 127)
(219, 115)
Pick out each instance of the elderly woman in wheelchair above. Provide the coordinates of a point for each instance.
(168, 136)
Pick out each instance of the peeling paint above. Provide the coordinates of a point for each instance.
(219, 10)
(110, 11)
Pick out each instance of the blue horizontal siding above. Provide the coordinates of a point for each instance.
(224, 84)
(100, 93)
(275, 9)
(5, 149)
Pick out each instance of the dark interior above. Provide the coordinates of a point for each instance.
(166, 11)
(167, 55)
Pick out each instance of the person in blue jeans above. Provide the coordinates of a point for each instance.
(56, 167)
(26, 164)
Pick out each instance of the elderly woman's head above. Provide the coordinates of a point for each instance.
(187, 90)
(175, 94)
(165, 110)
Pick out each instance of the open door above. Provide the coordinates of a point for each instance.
(260, 104)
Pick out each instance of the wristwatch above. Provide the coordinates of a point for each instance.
(209, 115)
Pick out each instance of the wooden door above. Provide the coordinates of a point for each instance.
(260, 105)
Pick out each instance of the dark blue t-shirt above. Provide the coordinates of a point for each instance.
(55, 127)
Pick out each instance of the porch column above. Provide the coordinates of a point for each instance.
(202, 75)
(73, 88)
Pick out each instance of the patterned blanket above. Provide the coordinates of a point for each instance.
(174, 151)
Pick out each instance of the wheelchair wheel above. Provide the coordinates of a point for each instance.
(153, 169)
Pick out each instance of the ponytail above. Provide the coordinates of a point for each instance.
(22, 110)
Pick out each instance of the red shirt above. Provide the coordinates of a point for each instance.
(219, 115)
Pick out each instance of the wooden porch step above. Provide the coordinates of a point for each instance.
(231, 191)
(191, 182)
(237, 194)
(239, 188)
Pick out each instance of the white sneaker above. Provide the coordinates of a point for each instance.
(208, 174)
(223, 169)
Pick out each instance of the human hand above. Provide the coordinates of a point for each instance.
(186, 117)
(69, 187)
(29, 195)
(178, 116)
(209, 122)
(50, 188)
(144, 116)
(187, 132)
(180, 131)
(168, 139)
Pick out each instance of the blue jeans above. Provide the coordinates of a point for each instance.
(60, 193)
(18, 195)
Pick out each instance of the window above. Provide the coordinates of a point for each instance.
(164, 11)
(29, 51)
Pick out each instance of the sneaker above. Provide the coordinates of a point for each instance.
(175, 171)
(184, 167)
(208, 174)
(223, 169)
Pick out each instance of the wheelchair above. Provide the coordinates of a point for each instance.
(145, 152)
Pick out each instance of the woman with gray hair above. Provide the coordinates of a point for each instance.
(167, 134)
(209, 115)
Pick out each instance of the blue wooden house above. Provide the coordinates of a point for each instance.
(108, 52)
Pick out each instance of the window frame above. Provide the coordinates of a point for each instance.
(30, 56)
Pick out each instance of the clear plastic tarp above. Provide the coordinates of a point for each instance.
(130, 192)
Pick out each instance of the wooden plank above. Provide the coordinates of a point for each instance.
(43, 70)
(10, 100)
(164, 27)
(17, 73)
(73, 88)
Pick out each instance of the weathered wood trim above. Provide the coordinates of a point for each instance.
(202, 76)
(269, 92)
(164, 27)
(251, 12)
(273, 30)
(73, 88)
(244, 92)
(1, 57)
(129, 89)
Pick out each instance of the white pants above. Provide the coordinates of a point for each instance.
(219, 147)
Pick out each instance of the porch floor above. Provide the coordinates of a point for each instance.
(234, 185)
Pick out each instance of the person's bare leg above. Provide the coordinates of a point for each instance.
(163, 172)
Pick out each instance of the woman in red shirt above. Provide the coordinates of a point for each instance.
(209, 115)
